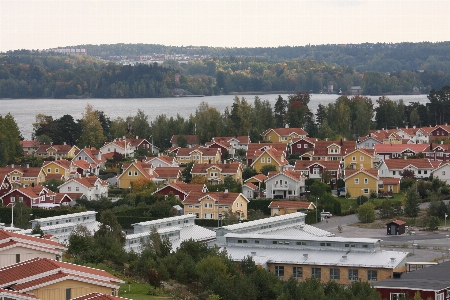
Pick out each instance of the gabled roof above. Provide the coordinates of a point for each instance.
(218, 197)
(224, 168)
(291, 204)
(321, 148)
(168, 172)
(291, 174)
(98, 296)
(29, 274)
(63, 163)
(251, 186)
(204, 151)
(92, 153)
(7, 294)
(306, 139)
(140, 166)
(400, 164)
(258, 177)
(285, 131)
(87, 182)
(398, 148)
(369, 152)
(58, 148)
(390, 180)
(164, 158)
(254, 149)
(243, 139)
(444, 127)
(351, 173)
(183, 187)
(30, 143)
(301, 165)
(274, 154)
(12, 239)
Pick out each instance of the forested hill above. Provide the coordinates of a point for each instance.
(380, 57)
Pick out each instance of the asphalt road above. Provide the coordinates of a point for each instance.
(429, 245)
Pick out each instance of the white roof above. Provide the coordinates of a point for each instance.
(301, 231)
(165, 220)
(80, 214)
(264, 221)
(304, 238)
(376, 259)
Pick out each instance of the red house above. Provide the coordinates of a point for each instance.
(440, 131)
(302, 145)
(431, 282)
(180, 189)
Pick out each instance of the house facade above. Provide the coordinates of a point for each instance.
(283, 135)
(134, 171)
(360, 158)
(214, 205)
(270, 156)
(216, 173)
(58, 169)
(92, 187)
(279, 208)
(284, 185)
(361, 182)
(56, 151)
(199, 155)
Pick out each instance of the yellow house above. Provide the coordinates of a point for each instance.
(199, 155)
(216, 173)
(283, 135)
(57, 151)
(60, 280)
(269, 156)
(214, 205)
(58, 168)
(23, 177)
(360, 158)
(389, 186)
(392, 138)
(361, 182)
(134, 171)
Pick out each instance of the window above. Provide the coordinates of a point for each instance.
(352, 274)
(366, 191)
(335, 274)
(297, 272)
(361, 158)
(269, 160)
(397, 296)
(135, 173)
(305, 146)
(77, 189)
(263, 159)
(393, 172)
(443, 172)
(440, 296)
(316, 273)
(279, 271)
(372, 275)
(49, 170)
(130, 173)
(17, 258)
(366, 180)
(12, 200)
(20, 199)
(356, 180)
(197, 215)
(69, 189)
(316, 171)
(206, 205)
(353, 158)
(299, 145)
(68, 294)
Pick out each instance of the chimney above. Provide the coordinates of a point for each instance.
(442, 142)
(226, 191)
(64, 143)
(407, 126)
(253, 253)
(431, 146)
(344, 257)
(12, 166)
(28, 166)
(305, 255)
(137, 137)
(392, 260)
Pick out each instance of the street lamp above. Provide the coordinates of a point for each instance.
(448, 254)
(446, 220)
(414, 245)
(316, 207)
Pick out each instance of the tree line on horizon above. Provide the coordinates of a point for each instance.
(346, 117)
(49, 75)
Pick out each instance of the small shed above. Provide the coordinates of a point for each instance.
(396, 227)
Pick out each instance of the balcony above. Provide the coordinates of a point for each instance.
(280, 187)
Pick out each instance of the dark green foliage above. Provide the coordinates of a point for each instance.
(318, 188)
(386, 210)
(433, 223)
(186, 173)
(268, 168)
(10, 148)
(260, 204)
(53, 184)
(412, 203)
(248, 172)
(22, 215)
(37, 230)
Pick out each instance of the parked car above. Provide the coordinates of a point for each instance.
(325, 214)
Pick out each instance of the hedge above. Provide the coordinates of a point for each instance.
(261, 204)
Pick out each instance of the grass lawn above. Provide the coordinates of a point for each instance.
(353, 202)
(138, 291)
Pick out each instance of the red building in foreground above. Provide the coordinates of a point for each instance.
(431, 282)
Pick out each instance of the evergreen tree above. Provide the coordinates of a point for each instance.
(10, 148)
(280, 110)
(92, 130)
(412, 203)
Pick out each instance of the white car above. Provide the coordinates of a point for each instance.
(325, 215)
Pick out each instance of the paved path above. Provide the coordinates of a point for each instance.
(430, 246)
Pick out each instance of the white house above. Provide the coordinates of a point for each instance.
(442, 172)
(393, 168)
(92, 187)
(163, 161)
(283, 185)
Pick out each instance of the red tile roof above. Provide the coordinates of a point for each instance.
(225, 168)
(389, 180)
(398, 148)
(191, 139)
(420, 163)
(7, 294)
(168, 172)
(204, 151)
(17, 238)
(286, 131)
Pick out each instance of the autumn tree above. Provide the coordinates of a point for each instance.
(297, 110)
(92, 130)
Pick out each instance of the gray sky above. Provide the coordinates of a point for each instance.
(42, 24)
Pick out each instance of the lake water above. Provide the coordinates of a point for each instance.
(25, 110)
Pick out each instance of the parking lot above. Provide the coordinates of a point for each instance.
(430, 246)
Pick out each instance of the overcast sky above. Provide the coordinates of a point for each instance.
(43, 24)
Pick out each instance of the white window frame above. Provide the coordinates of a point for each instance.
(279, 271)
(370, 275)
(353, 274)
(263, 160)
(366, 180)
(356, 180)
(297, 272)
